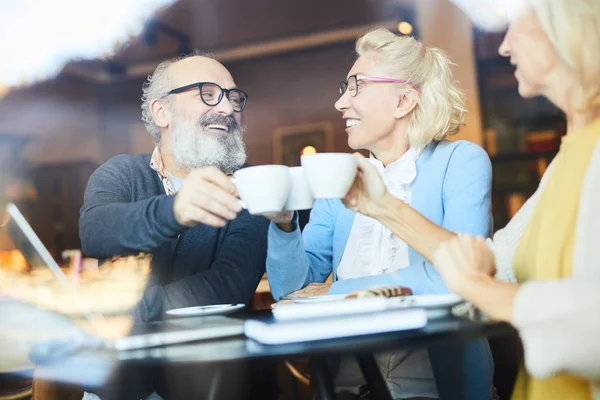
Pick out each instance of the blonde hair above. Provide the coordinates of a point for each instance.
(440, 108)
(573, 28)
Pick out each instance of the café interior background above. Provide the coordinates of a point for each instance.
(289, 56)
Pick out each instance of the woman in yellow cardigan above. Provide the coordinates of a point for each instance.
(546, 261)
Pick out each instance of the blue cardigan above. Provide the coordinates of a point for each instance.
(452, 189)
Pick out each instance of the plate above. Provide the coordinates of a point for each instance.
(435, 304)
(315, 299)
(214, 309)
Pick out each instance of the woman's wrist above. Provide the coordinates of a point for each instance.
(493, 297)
(385, 205)
(473, 287)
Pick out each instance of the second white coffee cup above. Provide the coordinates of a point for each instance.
(300, 197)
(329, 175)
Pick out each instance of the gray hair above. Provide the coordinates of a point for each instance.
(157, 86)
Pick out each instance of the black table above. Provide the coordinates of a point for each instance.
(91, 367)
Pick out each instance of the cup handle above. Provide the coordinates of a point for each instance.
(241, 202)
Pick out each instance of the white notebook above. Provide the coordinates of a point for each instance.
(273, 331)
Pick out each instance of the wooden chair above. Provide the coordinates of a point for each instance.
(44, 390)
(16, 385)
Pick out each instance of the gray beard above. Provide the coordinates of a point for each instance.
(193, 146)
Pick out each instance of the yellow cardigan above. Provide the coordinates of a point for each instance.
(558, 318)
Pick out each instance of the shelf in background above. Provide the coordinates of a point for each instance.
(505, 191)
(522, 156)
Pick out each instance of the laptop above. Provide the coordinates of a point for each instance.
(155, 334)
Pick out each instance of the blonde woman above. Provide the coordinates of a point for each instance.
(548, 270)
(399, 102)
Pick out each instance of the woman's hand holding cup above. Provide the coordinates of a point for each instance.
(368, 192)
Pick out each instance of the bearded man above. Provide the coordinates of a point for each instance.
(178, 203)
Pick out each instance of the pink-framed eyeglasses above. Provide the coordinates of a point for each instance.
(352, 83)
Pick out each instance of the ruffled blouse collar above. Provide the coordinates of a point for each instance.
(378, 246)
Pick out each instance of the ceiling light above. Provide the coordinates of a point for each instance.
(405, 28)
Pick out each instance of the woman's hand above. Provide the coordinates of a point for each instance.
(467, 267)
(313, 289)
(462, 261)
(368, 192)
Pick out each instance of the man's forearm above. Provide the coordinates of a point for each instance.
(116, 229)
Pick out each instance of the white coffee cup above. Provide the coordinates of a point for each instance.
(300, 197)
(329, 175)
(263, 189)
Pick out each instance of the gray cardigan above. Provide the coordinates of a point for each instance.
(126, 211)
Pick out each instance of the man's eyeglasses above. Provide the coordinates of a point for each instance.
(352, 84)
(212, 94)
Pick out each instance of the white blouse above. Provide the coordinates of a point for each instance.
(372, 249)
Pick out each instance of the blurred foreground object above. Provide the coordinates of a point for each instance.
(22, 326)
(492, 15)
(13, 260)
(100, 300)
(39, 38)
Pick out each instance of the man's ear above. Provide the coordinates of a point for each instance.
(406, 103)
(161, 114)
